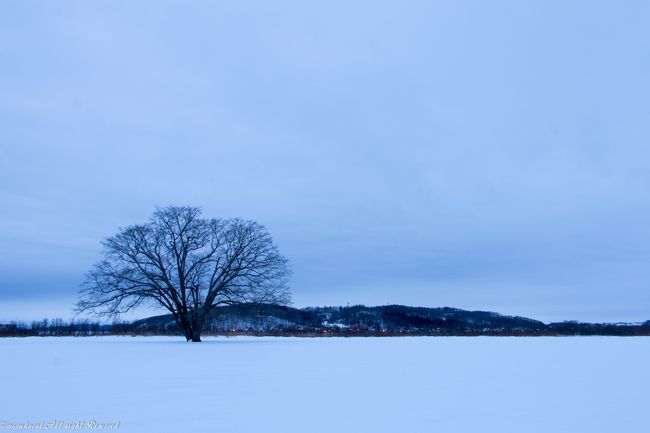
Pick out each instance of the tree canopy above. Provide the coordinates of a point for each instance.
(187, 265)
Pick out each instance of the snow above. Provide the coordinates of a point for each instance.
(408, 384)
(335, 325)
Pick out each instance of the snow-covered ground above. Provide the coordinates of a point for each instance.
(410, 384)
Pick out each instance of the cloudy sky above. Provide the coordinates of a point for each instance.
(484, 155)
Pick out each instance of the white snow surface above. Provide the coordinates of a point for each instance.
(253, 384)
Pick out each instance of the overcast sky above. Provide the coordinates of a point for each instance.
(483, 155)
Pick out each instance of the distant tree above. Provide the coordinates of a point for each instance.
(187, 265)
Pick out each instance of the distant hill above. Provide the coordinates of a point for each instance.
(262, 319)
(357, 320)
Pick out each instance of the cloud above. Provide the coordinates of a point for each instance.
(394, 150)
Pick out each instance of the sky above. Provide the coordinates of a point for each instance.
(480, 155)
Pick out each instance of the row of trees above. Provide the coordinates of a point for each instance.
(60, 327)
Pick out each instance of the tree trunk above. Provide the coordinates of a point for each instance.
(190, 331)
(198, 318)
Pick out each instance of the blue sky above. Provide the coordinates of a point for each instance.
(483, 155)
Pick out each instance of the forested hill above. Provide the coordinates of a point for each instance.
(382, 320)
(358, 320)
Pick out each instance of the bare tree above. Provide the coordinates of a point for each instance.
(188, 265)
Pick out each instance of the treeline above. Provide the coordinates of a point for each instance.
(60, 327)
(358, 320)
